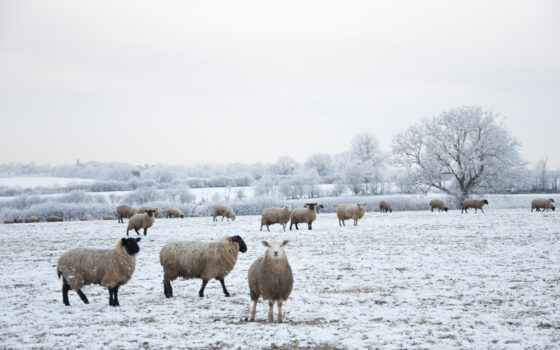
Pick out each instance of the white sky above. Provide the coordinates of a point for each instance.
(245, 81)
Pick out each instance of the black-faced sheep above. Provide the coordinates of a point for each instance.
(139, 221)
(173, 213)
(157, 210)
(224, 211)
(270, 276)
(385, 207)
(271, 216)
(438, 204)
(110, 268)
(204, 260)
(542, 203)
(125, 211)
(473, 203)
(306, 214)
(350, 211)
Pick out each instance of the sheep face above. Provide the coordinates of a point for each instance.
(552, 207)
(445, 209)
(131, 245)
(150, 212)
(275, 249)
(485, 201)
(552, 200)
(310, 206)
(242, 245)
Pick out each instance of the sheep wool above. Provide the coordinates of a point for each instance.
(271, 216)
(473, 203)
(270, 276)
(385, 207)
(140, 221)
(204, 260)
(173, 213)
(350, 211)
(110, 268)
(438, 204)
(156, 210)
(306, 214)
(542, 203)
(53, 218)
(224, 211)
(125, 211)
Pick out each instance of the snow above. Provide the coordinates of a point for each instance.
(400, 280)
(44, 181)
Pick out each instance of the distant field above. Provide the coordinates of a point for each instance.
(401, 280)
(30, 182)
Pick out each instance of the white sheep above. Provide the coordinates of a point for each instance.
(31, 219)
(173, 213)
(542, 203)
(205, 260)
(270, 276)
(157, 210)
(110, 268)
(306, 214)
(350, 211)
(125, 211)
(271, 216)
(473, 203)
(224, 211)
(436, 203)
(139, 221)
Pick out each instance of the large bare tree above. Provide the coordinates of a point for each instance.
(461, 151)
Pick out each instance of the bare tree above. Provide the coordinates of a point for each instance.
(321, 162)
(540, 175)
(461, 151)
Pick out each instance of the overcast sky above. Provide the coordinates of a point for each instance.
(244, 81)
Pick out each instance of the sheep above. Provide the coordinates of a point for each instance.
(174, 213)
(18, 221)
(53, 218)
(193, 215)
(350, 211)
(157, 210)
(125, 211)
(139, 221)
(271, 276)
(271, 216)
(436, 203)
(83, 219)
(542, 203)
(473, 203)
(224, 211)
(204, 260)
(9, 221)
(109, 268)
(109, 217)
(306, 214)
(30, 219)
(385, 207)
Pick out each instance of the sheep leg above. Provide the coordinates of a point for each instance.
(267, 228)
(355, 222)
(111, 299)
(482, 210)
(309, 226)
(261, 227)
(223, 283)
(116, 296)
(65, 289)
(254, 311)
(279, 303)
(291, 224)
(138, 233)
(201, 291)
(270, 311)
(145, 231)
(167, 290)
(83, 296)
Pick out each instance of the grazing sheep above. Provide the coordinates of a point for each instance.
(271, 216)
(109, 217)
(139, 221)
(306, 214)
(125, 211)
(83, 219)
(473, 203)
(157, 210)
(271, 276)
(9, 221)
(542, 203)
(205, 260)
(109, 268)
(350, 211)
(53, 218)
(224, 211)
(436, 203)
(385, 207)
(30, 219)
(18, 221)
(174, 213)
(195, 216)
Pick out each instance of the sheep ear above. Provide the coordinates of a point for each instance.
(138, 239)
(265, 243)
(285, 243)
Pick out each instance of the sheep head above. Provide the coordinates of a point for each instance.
(240, 242)
(275, 249)
(485, 201)
(131, 245)
(150, 212)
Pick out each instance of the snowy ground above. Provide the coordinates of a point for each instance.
(46, 181)
(400, 280)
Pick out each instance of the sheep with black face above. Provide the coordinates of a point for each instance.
(110, 268)
(139, 221)
(306, 214)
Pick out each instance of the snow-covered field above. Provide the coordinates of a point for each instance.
(400, 280)
(46, 181)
